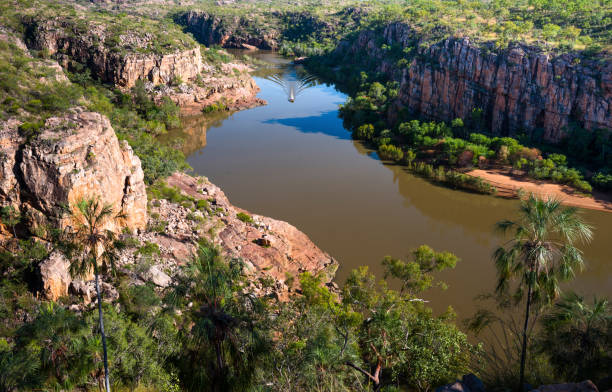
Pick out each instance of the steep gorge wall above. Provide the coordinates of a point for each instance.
(228, 32)
(112, 65)
(518, 89)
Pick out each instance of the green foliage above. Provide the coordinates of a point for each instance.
(602, 181)
(224, 326)
(390, 152)
(364, 132)
(416, 275)
(577, 337)
(215, 107)
(246, 218)
(540, 254)
(54, 350)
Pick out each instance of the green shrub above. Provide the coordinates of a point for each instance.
(602, 181)
(364, 132)
(390, 152)
(246, 218)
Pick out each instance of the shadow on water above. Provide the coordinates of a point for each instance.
(323, 123)
(295, 162)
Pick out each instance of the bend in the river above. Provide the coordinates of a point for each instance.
(294, 161)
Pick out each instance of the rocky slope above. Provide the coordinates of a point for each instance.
(77, 155)
(272, 250)
(181, 74)
(519, 89)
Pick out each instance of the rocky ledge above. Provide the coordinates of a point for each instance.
(182, 75)
(272, 251)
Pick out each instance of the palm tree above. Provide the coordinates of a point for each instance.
(577, 336)
(90, 218)
(540, 253)
(222, 322)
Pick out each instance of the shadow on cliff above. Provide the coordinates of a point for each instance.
(324, 123)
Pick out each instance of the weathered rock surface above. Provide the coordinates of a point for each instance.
(518, 89)
(229, 33)
(55, 275)
(122, 68)
(176, 229)
(200, 84)
(75, 156)
(231, 84)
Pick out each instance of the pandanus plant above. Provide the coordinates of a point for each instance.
(540, 254)
(89, 233)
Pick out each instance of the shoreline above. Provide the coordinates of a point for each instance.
(509, 185)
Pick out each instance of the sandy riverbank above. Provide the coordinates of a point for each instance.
(508, 185)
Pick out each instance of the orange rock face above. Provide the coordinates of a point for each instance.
(519, 89)
(269, 247)
(75, 156)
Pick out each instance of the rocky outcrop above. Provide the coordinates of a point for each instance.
(228, 32)
(117, 65)
(287, 251)
(231, 84)
(181, 75)
(271, 250)
(519, 89)
(73, 156)
(55, 275)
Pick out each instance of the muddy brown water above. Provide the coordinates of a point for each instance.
(294, 161)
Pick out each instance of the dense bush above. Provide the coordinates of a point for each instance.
(440, 144)
(390, 152)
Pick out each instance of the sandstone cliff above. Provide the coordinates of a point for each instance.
(181, 75)
(519, 89)
(229, 32)
(121, 64)
(74, 156)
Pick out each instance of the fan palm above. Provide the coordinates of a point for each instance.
(90, 218)
(222, 321)
(578, 337)
(540, 253)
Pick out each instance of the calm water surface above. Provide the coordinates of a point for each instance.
(295, 162)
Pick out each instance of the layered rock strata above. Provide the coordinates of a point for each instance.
(74, 156)
(518, 89)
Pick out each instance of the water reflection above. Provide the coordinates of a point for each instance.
(321, 123)
(295, 162)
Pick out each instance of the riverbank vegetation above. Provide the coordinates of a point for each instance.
(370, 334)
(457, 145)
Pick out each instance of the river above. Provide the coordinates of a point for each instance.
(294, 161)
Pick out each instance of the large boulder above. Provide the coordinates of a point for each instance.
(55, 275)
(74, 156)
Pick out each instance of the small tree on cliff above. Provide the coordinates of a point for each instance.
(539, 254)
(96, 246)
